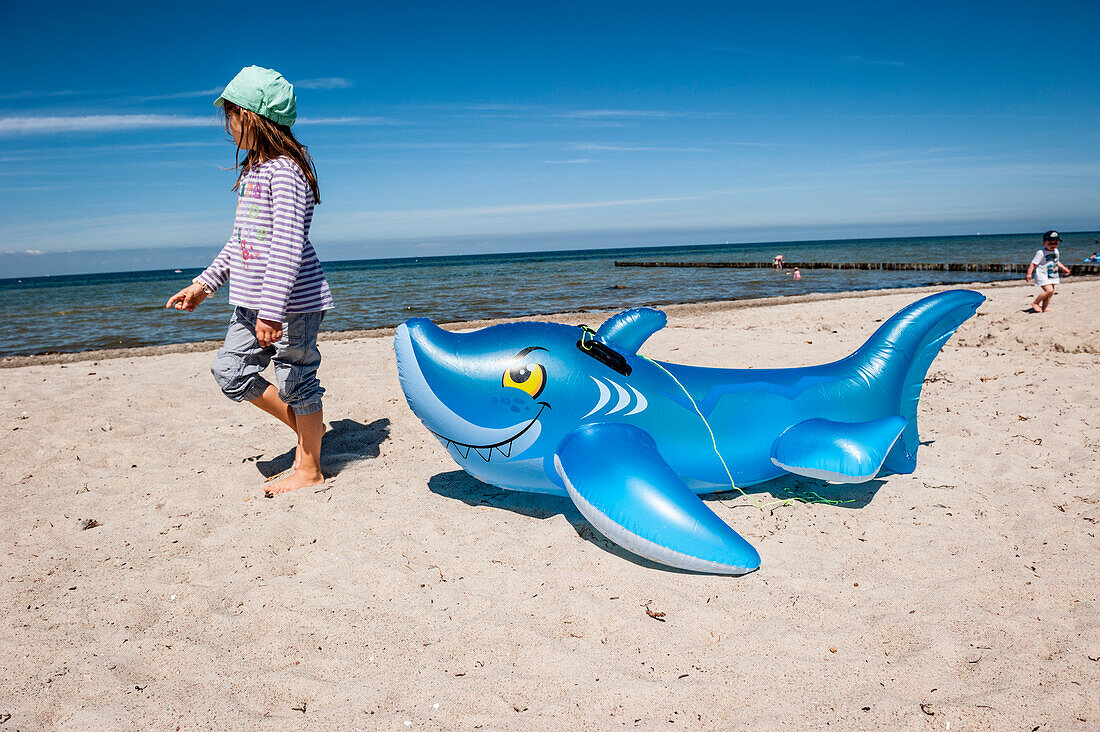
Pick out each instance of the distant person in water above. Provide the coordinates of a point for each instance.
(797, 274)
(777, 261)
(1047, 271)
(1094, 258)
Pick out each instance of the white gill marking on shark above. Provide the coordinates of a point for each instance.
(642, 402)
(624, 398)
(605, 394)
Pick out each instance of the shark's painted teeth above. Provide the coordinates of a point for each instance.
(517, 444)
(485, 454)
(463, 450)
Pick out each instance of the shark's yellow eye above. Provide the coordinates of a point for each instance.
(528, 377)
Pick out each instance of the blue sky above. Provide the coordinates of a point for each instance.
(466, 127)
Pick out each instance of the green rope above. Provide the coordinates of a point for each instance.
(714, 444)
(588, 334)
(795, 498)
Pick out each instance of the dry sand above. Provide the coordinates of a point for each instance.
(408, 595)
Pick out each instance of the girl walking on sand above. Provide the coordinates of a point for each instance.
(275, 279)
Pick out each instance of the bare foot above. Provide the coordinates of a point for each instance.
(280, 475)
(298, 458)
(294, 481)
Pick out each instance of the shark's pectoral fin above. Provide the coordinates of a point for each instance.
(839, 452)
(620, 483)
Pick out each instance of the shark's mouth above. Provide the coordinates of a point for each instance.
(504, 447)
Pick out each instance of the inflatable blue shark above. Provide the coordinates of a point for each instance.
(562, 409)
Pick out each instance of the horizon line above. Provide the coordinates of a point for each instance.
(472, 255)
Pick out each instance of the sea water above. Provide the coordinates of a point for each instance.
(83, 312)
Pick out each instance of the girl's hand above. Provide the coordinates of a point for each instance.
(268, 331)
(187, 299)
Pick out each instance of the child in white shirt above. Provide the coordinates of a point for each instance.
(1046, 268)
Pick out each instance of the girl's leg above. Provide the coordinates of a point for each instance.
(270, 402)
(240, 362)
(307, 460)
(296, 363)
(237, 369)
(307, 471)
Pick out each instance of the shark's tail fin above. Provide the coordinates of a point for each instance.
(901, 351)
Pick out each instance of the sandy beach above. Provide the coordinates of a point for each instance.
(148, 584)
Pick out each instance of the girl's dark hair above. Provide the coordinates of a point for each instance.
(268, 140)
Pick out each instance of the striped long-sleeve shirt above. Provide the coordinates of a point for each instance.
(269, 262)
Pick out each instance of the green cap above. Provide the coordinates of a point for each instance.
(263, 91)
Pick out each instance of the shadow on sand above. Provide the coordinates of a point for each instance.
(346, 442)
(460, 486)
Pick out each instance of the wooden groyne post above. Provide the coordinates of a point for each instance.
(998, 267)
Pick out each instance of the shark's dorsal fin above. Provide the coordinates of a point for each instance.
(628, 330)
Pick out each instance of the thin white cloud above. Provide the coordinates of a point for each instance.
(872, 155)
(743, 143)
(115, 230)
(36, 94)
(601, 147)
(46, 94)
(518, 209)
(36, 171)
(350, 121)
(328, 82)
(873, 62)
(22, 188)
(633, 114)
(321, 84)
(40, 125)
(214, 92)
(482, 107)
(602, 117)
(927, 160)
(451, 146)
(937, 150)
(154, 146)
(36, 154)
(967, 168)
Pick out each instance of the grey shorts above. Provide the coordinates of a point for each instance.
(241, 359)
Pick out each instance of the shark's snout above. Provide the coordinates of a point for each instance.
(422, 345)
(443, 386)
(429, 338)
